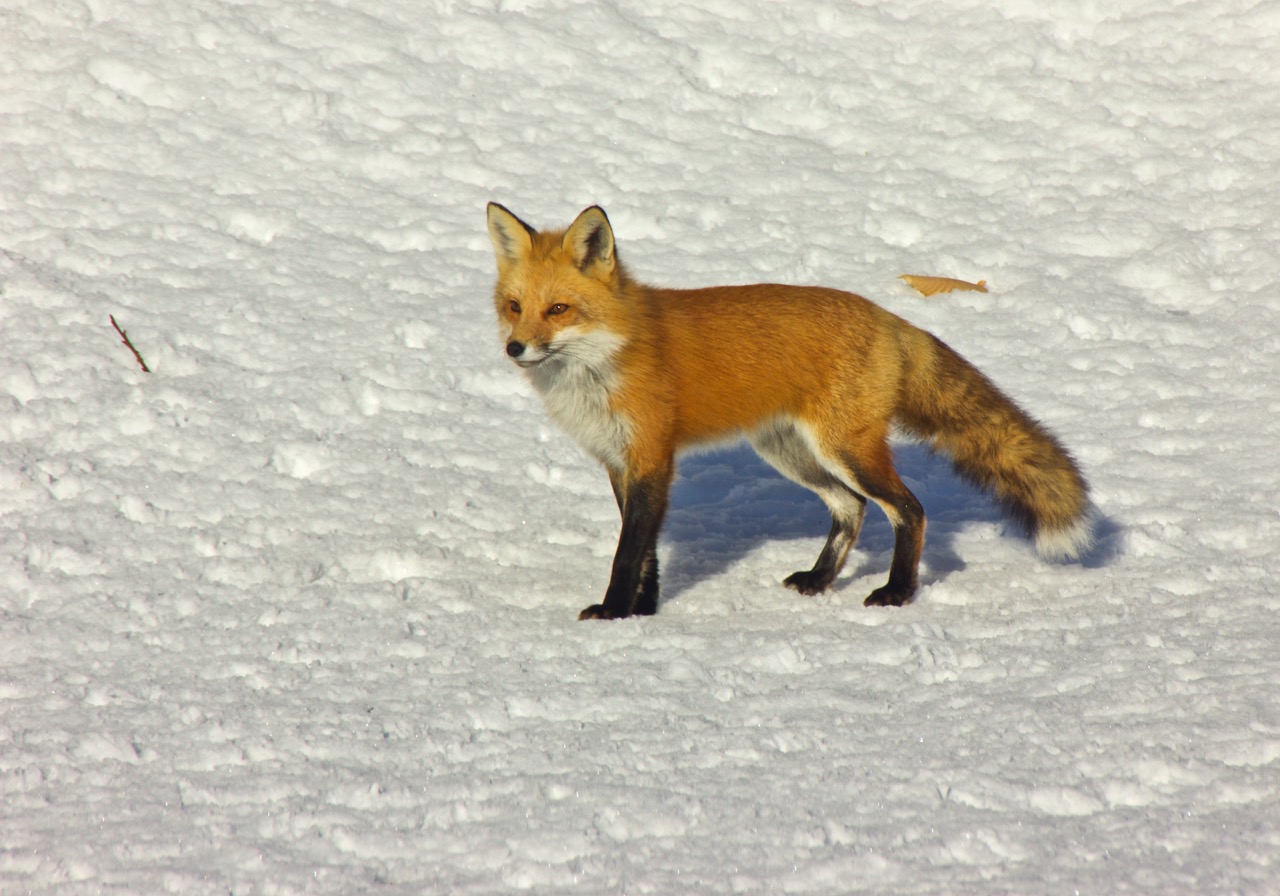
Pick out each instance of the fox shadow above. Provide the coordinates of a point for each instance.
(727, 503)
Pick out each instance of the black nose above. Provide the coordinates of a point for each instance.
(515, 349)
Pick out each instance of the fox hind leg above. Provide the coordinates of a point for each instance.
(845, 477)
(791, 454)
(874, 475)
(843, 535)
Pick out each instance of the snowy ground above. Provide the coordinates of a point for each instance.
(295, 612)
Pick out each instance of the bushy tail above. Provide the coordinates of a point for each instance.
(996, 445)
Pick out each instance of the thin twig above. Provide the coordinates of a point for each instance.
(124, 337)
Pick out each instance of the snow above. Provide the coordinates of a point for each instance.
(296, 612)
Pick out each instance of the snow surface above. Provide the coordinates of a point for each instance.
(295, 612)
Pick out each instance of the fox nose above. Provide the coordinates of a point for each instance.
(515, 349)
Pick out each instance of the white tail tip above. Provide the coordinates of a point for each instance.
(1069, 543)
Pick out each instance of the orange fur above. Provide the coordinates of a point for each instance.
(815, 378)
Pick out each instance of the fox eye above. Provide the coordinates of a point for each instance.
(514, 306)
(557, 308)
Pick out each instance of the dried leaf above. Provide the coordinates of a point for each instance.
(931, 286)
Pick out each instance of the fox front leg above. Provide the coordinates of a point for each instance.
(633, 585)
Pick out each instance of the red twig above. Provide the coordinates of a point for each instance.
(124, 337)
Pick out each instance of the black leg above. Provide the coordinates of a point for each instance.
(872, 469)
(633, 586)
(647, 598)
(841, 538)
(908, 543)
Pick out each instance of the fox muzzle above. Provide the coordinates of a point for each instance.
(526, 355)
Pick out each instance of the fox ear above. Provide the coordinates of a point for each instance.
(512, 238)
(590, 240)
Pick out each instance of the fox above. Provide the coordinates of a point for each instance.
(815, 379)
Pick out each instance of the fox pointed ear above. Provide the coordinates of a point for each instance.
(512, 238)
(589, 240)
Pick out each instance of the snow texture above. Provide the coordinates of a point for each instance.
(295, 612)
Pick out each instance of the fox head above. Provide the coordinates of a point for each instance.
(557, 293)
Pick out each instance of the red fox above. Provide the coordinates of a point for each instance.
(813, 378)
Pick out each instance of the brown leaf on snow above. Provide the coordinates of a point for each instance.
(931, 286)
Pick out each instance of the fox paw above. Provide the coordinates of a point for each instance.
(596, 611)
(887, 597)
(807, 582)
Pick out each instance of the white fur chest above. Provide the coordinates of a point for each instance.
(577, 398)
